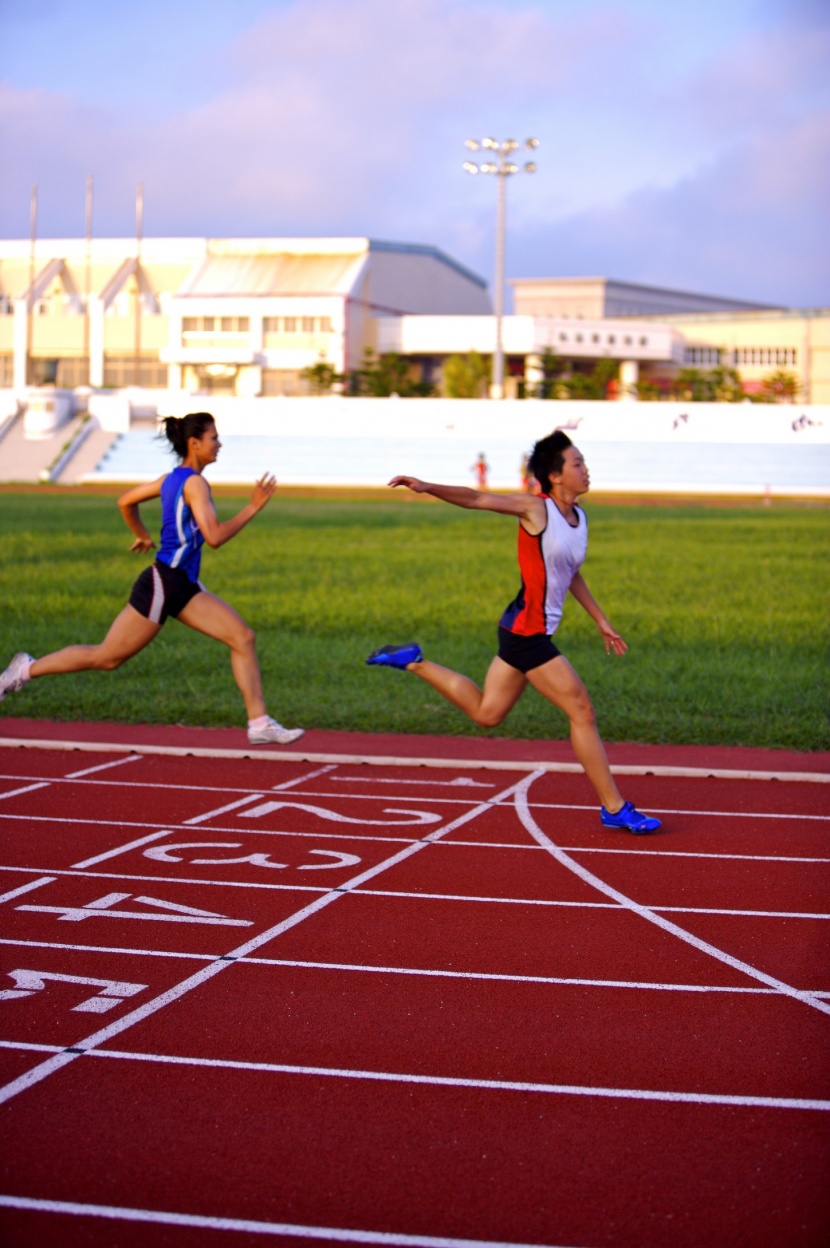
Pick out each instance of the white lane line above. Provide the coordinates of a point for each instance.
(55, 1063)
(524, 1086)
(27, 888)
(21, 942)
(407, 895)
(705, 814)
(356, 835)
(181, 879)
(30, 788)
(754, 914)
(443, 1081)
(556, 980)
(527, 820)
(391, 760)
(418, 972)
(223, 810)
(89, 771)
(460, 782)
(121, 849)
(312, 775)
(329, 1234)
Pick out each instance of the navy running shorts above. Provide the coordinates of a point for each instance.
(161, 591)
(525, 653)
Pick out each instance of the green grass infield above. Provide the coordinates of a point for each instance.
(724, 609)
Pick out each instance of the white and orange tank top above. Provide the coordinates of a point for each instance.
(548, 562)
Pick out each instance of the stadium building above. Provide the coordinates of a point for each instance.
(246, 317)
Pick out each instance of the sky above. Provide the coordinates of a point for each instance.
(685, 146)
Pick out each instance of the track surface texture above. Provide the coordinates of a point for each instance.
(408, 991)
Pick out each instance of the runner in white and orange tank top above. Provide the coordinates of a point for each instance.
(553, 540)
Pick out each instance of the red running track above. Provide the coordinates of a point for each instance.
(305, 998)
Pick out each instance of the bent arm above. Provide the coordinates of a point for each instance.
(581, 592)
(215, 531)
(528, 508)
(128, 506)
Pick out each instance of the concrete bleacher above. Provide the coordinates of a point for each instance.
(362, 460)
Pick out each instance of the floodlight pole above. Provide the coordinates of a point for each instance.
(503, 170)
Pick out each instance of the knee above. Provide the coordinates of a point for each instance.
(581, 710)
(486, 718)
(109, 662)
(244, 638)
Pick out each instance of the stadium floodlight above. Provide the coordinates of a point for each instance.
(503, 168)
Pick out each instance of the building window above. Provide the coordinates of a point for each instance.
(594, 337)
(5, 305)
(563, 337)
(216, 324)
(72, 372)
(612, 338)
(766, 355)
(6, 371)
(644, 342)
(308, 324)
(120, 371)
(627, 340)
(326, 326)
(709, 357)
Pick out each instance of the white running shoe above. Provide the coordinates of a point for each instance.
(11, 680)
(274, 734)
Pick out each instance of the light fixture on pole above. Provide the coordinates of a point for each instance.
(503, 167)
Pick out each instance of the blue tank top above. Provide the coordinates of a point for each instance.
(181, 537)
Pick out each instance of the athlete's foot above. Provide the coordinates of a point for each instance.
(16, 674)
(629, 819)
(272, 733)
(396, 656)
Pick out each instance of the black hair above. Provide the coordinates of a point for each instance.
(180, 429)
(548, 456)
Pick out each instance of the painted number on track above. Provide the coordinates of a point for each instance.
(111, 992)
(420, 817)
(107, 908)
(171, 853)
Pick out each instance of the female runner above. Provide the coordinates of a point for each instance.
(171, 585)
(553, 539)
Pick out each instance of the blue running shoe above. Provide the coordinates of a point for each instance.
(629, 819)
(396, 656)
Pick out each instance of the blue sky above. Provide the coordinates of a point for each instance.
(681, 145)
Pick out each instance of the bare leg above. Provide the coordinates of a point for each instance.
(128, 633)
(559, 683)
(208, 614)
(503, 686)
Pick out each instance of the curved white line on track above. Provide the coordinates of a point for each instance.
(529, 823)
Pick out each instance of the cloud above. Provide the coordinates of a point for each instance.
(751, 224)
(348, 117)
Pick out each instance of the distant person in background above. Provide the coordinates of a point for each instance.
(171, 585)
(529, 483)
(553, 539)
(480, 469)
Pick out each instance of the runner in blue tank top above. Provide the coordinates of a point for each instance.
(171, 586)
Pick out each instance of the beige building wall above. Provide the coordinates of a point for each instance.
(757, 344)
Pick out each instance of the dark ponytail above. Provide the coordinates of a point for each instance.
(179, 430)
(547, 456)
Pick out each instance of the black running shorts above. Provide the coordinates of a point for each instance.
(161, 591)
(525, 653)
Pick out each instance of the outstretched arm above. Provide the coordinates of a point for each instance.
(128, 506)
(529, 508)
(215, 531)
(581, 592)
